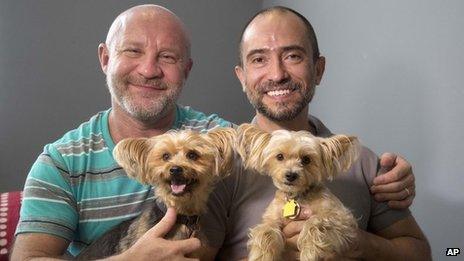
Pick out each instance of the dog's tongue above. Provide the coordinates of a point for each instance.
(177, 188)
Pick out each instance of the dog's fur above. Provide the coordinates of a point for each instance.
(183, 167)
(298, 163)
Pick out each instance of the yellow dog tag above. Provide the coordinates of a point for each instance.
(291, 209)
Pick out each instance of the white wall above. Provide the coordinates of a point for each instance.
(395, 78)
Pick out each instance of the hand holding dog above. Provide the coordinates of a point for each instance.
(396, 184)
(152, 245)
(292, 229)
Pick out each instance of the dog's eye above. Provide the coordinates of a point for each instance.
(305, 160)
(280, 157)
(192, 155)
(166, 156)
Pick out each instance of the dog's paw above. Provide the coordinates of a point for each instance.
(324, 237)
(266, 243)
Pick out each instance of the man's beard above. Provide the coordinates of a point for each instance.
(282, 111)
(157, 108)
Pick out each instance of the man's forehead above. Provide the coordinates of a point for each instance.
(133, 24)
(274, 31)
(143, 23)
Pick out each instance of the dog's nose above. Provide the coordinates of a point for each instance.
(291, 176)
(176, 170)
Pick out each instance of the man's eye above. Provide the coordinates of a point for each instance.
(257, 60)
(132, 52)
(168, 58)
(294, 57)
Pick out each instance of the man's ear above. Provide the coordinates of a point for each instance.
(338, 153)
(131, 154)
(188, 67)
(103, 56)
(239, 72)
(320, 68)
(224, 139)
(251, 142)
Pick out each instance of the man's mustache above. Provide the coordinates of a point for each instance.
(155, 83)
(276, 86)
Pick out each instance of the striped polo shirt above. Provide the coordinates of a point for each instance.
(76, 190)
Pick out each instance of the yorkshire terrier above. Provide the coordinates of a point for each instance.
(298, 163)
(183, 167)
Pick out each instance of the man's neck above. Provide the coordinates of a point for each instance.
(300, 122)
(123, 126)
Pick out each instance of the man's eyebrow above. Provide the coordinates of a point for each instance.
(293, 48)
(255, 51)
(129, 42)
(284, 49)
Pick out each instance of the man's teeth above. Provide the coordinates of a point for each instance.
(278, 92)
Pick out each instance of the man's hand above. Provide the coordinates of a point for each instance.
(152, 245)
(291, 229)
(396, 182)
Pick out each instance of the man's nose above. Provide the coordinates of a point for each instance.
(277, 71)
(149, 68)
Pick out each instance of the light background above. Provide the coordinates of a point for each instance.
(394, 77)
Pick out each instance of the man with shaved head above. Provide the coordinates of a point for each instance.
(280, 68)
(75, 191)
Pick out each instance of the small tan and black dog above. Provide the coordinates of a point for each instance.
(183, 166)
(298, 163)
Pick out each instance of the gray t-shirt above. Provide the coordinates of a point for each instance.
(238, 202)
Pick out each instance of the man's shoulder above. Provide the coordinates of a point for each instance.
(89, 128)
(189, 118)
(367, 157)
(367, 163)
(89, 138)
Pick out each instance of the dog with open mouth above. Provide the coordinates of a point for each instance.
(298, 164)
(183, 167)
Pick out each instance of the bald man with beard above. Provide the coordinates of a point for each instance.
(72, 196)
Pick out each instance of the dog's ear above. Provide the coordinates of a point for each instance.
(224, 140)
(338, 154)
(251, 142)
(131, 155)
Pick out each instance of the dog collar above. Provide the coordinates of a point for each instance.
(191, 222)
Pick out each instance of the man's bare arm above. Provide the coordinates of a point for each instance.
(151, 246)
(38, 246)
(403, 240)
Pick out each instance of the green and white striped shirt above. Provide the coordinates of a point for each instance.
(76, 190)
